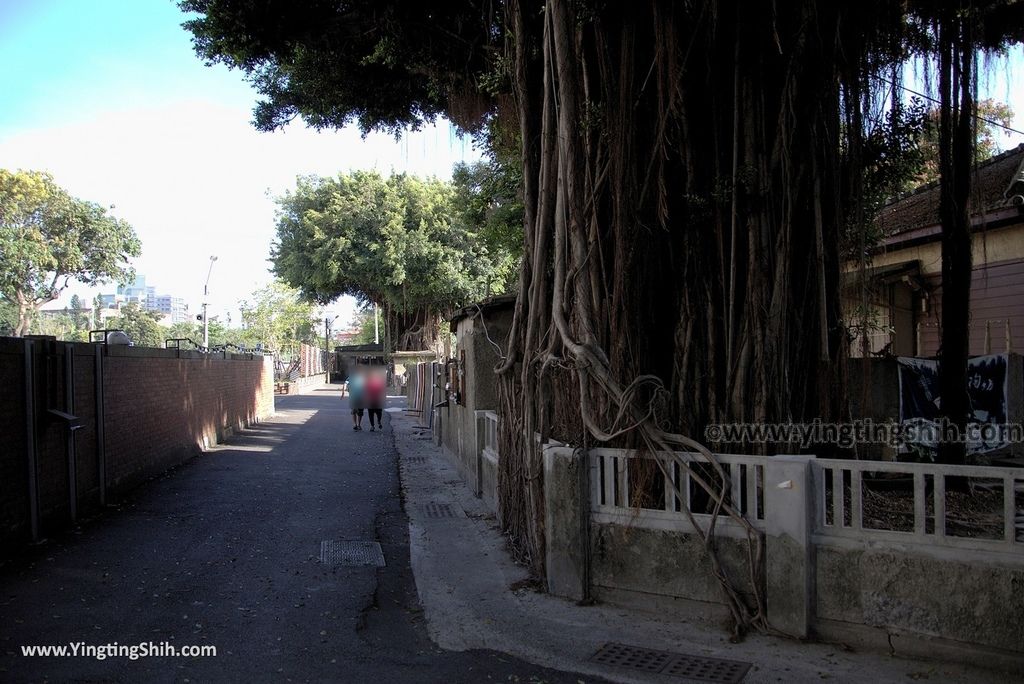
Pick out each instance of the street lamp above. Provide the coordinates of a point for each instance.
(206, 319)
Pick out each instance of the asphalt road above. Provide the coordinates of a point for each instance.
(224, 551)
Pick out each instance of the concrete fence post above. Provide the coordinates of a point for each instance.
(789, 569)
(566, 513)
(480, 432)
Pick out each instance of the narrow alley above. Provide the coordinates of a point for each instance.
(226, 551)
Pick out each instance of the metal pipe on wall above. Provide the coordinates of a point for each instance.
(30, 441)
(69, 407)
(101, 454)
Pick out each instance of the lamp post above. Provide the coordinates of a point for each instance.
(206, 318)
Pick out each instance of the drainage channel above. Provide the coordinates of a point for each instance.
(691, 667)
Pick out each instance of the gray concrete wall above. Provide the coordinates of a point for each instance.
(476, 336)
(660, 562)
(904, 593)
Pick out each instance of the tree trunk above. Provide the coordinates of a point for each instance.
(26, 310)
(647, 136)
(956, 131)
(411, 329)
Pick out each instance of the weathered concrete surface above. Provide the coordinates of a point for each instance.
(789, 570)
(566, 514)
(484, 601)
(905, 594)
(671, 564)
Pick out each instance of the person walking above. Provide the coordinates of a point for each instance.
(375, 393)
(356, 389)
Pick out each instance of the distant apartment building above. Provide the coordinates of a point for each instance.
(171, 309)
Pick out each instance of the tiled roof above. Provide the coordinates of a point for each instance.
(920, 208)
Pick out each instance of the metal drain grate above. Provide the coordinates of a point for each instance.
(436, 510)
(696, 668)
(351, 553)
(707, 669)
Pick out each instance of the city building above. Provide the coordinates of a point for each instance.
(171, 309)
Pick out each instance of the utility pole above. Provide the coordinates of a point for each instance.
(376, 328)
(327, 349)
(206, 318)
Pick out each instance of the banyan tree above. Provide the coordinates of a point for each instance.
(693, 174)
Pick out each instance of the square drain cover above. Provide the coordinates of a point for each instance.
(694, 668)
(436, 510)
(351, 553)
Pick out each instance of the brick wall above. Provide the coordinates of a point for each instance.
(161, 407)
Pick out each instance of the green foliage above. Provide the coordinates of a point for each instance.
(141, 326)
(8, 317)
(185, 331)
(364, 321)
(48, 238)
(992, 115)
(487, 197)
(278, 317)
(384, 65)
(401, 242)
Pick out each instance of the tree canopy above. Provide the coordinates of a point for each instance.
(49, 238)
(993, 117)
(142, 327)
(691, 173)
(277, 317)
(401, 242)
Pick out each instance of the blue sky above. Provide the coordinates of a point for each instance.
(109, 97)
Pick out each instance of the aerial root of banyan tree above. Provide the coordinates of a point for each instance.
(690, 174)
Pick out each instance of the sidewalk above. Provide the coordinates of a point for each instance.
(474, 598)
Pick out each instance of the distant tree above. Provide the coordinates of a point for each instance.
(97, 313)
(400, 242)
(79, 317)
(141, 326)
(487, 199)
(363, 321)
(185, 330)
(992, 115)
(49, 238)
(277, 316)
(8, 317)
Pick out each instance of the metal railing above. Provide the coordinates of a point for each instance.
(967, 507)
(652, 503)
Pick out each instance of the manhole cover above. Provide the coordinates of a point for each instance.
(351, 553)
(695, 668)
(436, 510)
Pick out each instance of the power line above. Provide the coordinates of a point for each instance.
(937, 101)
